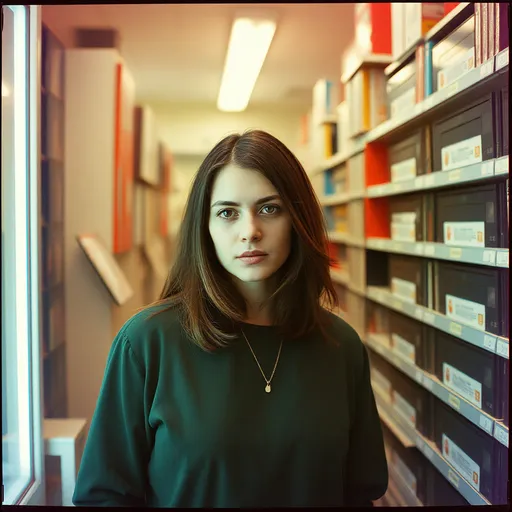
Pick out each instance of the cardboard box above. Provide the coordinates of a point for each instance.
(373, 23)
(485, 31)
(419, 19)
(397, 29)
(325, 100)
(401, 90)
(478, 34)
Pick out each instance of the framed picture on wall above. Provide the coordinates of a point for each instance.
(106, 267)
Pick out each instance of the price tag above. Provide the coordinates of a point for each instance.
(454, 175)
(418, 182)
(489, 257)
(502, 348)
(486, 68)
(397, 304)
(502, 59)
(396, 187)
(398, 246)
(455, 328)
(501, 435)
(501, 166)
(429, 318)
(454, 401)
(502, 258)
(418, 248)
(453, 478)
(486, 423)
(490, 343)
(418, 376)
(428, 383)
(430, 250)
(455, 253)
(452, 89)
(487, 168)
(418, 313)
(428, 452)
(429, 180)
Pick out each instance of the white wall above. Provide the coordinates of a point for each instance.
(191, 131)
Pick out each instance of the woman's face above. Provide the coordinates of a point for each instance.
(247, 214)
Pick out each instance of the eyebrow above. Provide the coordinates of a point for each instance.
(258, 202)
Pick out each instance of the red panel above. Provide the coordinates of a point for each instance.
(376, 164)
(449, 6)
(381, 27)
(376, 216)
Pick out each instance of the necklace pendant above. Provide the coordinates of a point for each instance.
(268, 388)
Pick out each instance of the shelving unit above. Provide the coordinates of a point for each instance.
(378, 247)
(52, 225)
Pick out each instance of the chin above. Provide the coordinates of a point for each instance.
(253, 274)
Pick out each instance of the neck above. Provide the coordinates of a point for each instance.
(255, 295)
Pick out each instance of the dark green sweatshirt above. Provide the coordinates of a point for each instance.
(176, 426)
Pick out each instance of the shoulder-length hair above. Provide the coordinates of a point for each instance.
(202, 291)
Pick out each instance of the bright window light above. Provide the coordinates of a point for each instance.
(248, 46)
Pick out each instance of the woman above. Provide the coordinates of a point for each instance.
(237, 388)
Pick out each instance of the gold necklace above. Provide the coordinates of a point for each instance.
(268, 389)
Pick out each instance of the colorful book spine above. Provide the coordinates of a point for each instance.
(427, 70)
(478, 34)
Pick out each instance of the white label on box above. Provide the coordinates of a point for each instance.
(462, 384)
(502, 59)
(489, 256)
(403, 289)
(485, 423)
(404, 217)
(405, 170)
(405, 102)
(502, 348)
(487, 168)
(451, 73)
(501, 434)
(466, 466)
(407, 475)
(501, 165)
(490, 343)
(403, 407)
(466, 311)
(403, 348)
(460, 154)
(502, 259)
(466, 234)
(403, 232)
(382, 382)
(429, 317)
(454, 479)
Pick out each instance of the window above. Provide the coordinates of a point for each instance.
(21, 416)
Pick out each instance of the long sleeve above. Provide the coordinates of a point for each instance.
(113, 471)
(367, 473)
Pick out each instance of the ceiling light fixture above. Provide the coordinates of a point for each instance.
(248, 46)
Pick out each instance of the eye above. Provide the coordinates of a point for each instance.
(226, 214)
(271, 209)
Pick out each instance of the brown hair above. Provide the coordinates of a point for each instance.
(208, 302)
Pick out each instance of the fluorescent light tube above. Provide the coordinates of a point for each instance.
(248, 46)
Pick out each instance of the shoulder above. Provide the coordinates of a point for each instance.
(151, 330)
(348, 342)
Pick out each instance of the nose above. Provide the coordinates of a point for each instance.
(250, 230)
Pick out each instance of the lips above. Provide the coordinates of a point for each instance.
(252, 254)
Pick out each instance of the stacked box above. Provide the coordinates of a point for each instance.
(476, 456)
(407, 217)
(454, 55)
(366, 93)
(473, 295)
(377, 319)
(440, 492)
(478, 34)
(473, 216)
(343, 131)
(340, 218)
(325, 100)
(401, 90)
(409, 278)
(420, 17)
(408, 463)
(473, 373)
(408, 339)
(339, 179)
(411, 156)
(465, 137)
(323, 142)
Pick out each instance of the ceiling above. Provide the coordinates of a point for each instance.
(176, 52)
